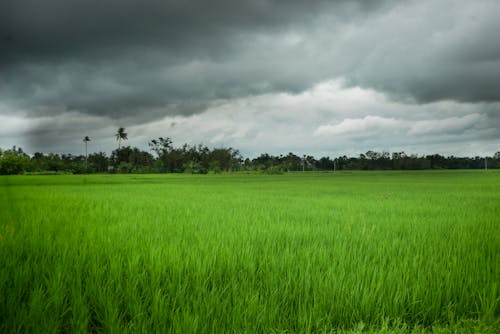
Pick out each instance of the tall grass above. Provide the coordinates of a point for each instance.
(250, 253)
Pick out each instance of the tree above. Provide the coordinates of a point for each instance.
(163, 148)
(131, 160)
(225, 159)
(325, 163)
(86, 139)
(13, 161)
(121, 135)
(99, 162)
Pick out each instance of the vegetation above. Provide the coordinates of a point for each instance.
(120, 135)
(200, 160)
(299, 252)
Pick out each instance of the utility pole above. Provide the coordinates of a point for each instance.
(485, 163)
(304, 164)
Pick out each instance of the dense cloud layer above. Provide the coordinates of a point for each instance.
(135, 62)
(155, 58)
(435, 50)
(338, 121)
(59, 29)
(124, 58)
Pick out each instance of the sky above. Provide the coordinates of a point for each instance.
(326, 78)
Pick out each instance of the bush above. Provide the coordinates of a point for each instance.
(13, 162)
(274, 170)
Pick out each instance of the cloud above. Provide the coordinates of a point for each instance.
(326, 120)
(257, 75)
(426, 51)
(452, 125)
(59, 29)
(371, 126)
(141, 60)
(11, 125)
(360, 127)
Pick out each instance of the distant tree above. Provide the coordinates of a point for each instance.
(131, 160)
(55, 162)
(121, 135)
(325, 163)
(495, 162)
(99, 162)
(86, 139)
(161, 145)
(264, 161)
(292, 162)
(225, 159)
(14, 161)
(163, 148)
(373, 155)
(38, 162)
(309, 163)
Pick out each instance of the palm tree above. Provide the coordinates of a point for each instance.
(86, 139)
(121, 135)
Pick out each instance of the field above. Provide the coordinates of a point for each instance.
(295, 253)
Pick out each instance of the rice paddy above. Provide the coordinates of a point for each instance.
(295, 253)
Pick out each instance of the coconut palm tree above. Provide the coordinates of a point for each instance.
(86, 139)
(121, 135)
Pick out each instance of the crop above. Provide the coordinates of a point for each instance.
(304, 252)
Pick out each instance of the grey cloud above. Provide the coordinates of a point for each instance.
(147, 59)
(120, 90)
(56, 29)
(431, 51)
(280, 123)
(142, 60)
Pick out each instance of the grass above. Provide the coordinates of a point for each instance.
(307, 252)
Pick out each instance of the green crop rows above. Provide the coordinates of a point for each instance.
(304, 252)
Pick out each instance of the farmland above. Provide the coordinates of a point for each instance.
(299, 252)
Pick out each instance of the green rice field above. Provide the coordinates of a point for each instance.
(251, 253)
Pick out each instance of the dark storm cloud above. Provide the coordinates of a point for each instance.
(433, 51)
(56, 29)
(123, 58)
(141, 60)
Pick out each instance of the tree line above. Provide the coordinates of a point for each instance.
(164, 157)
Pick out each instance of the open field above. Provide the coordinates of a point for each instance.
(305, 252)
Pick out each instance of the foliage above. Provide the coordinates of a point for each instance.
(98, 162)
(120, 135)
(200, 160)
(13, 161)
(131, 160)
(273, 170)
(194, 159)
